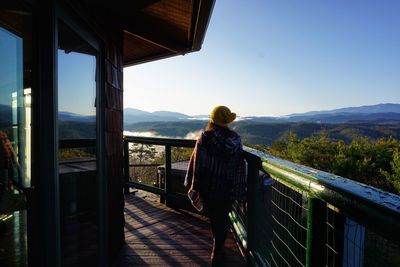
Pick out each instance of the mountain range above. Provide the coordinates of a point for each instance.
(69, 116)
(380, 113)
(375, 121)
(132, 115)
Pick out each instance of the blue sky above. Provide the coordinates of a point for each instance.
(274, 57)
(10, 67)
(76, 73)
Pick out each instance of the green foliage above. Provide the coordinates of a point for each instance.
(394, 177)
(374, 162)
(71, 153)
(181, 153)
(143, 157)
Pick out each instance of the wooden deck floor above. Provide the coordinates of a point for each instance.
(156, 235)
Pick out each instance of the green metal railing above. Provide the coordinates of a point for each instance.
(299, 216)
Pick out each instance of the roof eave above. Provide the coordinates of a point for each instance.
(201, 15)
(202, 21)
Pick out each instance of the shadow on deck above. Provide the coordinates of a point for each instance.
(156, 235)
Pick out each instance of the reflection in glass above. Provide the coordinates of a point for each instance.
(77, 149)
(76, 95)
(15, 135)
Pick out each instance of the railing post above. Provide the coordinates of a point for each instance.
(254, 202)
(126, 166)
(310, 216)
(316, 233)
(167, 182)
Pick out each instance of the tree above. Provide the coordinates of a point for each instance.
(374, 162)
(142, 153)
(393, 177)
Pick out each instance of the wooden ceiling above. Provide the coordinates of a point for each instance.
(155, 29)
(165, 28)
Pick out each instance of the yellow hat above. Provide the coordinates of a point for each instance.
(222, 116)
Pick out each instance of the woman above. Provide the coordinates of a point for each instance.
(216, 175)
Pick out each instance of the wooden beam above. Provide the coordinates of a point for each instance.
(158, 32)
(158, 42)
(144, 59)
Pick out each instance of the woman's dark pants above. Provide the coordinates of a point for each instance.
(218, 211)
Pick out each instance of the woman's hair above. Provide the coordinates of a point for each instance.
(213, 126)
(210, 126)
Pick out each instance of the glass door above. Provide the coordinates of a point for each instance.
(15, 134)
(77, 130)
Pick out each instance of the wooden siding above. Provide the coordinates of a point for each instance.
(114, 143)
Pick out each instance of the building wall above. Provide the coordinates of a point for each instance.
(112, 38)
(114, 143)
(45, 203)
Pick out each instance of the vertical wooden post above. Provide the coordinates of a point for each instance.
(253, 202)
(126, 166)
(45, 179)
(167, 182)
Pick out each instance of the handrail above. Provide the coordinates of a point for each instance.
(321, 210)
(166, 194)
(76, 143)
(160, 141)
(355, 199)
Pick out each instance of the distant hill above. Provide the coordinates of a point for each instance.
(132, 115)
(170, 114)
(267, 133)
(380, 113)
(76, 126)
(69, 116)
(135, 112)
(348, 118)
(77, 130)
(374, 121)
(368, 109)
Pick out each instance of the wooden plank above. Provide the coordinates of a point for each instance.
(156, 235)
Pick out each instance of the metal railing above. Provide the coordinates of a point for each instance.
(164, 185)
(299, 216)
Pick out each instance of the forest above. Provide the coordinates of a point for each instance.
(373, 162)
